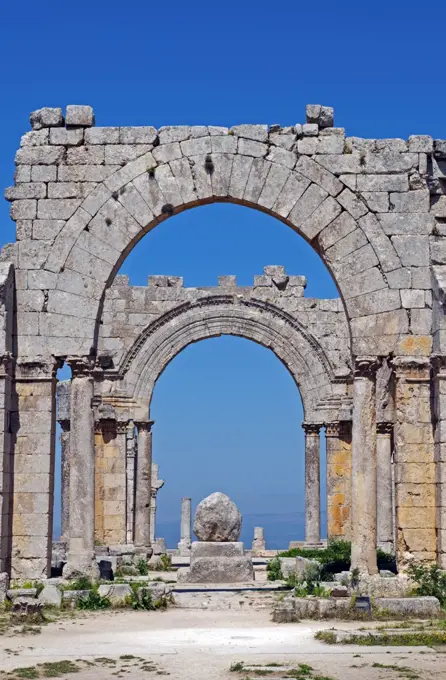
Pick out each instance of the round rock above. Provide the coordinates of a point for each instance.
(217, 519)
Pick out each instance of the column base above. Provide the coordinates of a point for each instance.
(81, 565)
(184, 547)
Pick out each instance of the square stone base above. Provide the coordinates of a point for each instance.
(217, 563)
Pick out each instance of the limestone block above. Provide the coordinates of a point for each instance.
(117, 593)
(407, 223)
(374, 303)
(307, 204)
(85, 173)
(216, 549)
(224, 144)
(51, 595)
(376, 586)
(287, 566)
(307, 146)
(40, 155)
(421, 321)
(217, 518)
(102, 135)
(25, 611)
(46, 117)
(412, 250)
(27, 190)
(387, 162)
(248, 147)
(377, 201)
(24, 209)
(343, 225)
(399, 278)
(218, 570)
(438, 208)
(23, 173)
(57, 209)
(257, 176)
(292, 190)
(173, 133)
(321, 217)
(25, 593)
(137, 135)
(372, 182)
(310, 130)
(119, 154)
(274, 183)
(85, 155)
(70, 189)
(4, 585)
(285, 141)
(282, 157)
(412, 298)
(421, 144)
(339, 164)
(79, 115)
(64, 137)
(413, 202)
(301, 565)
(158, 590)
(315, 172)
(258, 133)
(46, 229)
(330, 144)
(352, 203)
(35, 138)
(418, 607)
(167, 152)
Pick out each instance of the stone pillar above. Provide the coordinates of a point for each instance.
(130, 479)
(157, 484)
(110, 482)
(80, 556)
(258, 544)
(185, 543)
(384, 511)
(312, 483)
(6, 462)
(143, 485)
(338, 440)
(65, 477)
(33, 426)
(415, 480)
(364, 466)
(439, 377)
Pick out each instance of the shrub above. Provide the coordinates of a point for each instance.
(81, 583)
(143, 567)
(274, 570)
(430, 580)
(93, 601)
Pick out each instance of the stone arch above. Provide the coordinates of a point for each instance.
(256, 320)
(175, 176)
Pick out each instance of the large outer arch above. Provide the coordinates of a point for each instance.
(256, 320)
(122, 209)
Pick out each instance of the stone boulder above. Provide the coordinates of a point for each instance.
(304, 566)
(51, 595)
(287, 566)
(217, 519)
(117, 593)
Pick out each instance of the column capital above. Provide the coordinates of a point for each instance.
(104, 425)
(412, 369)
(384, 428)
(80, 366)
(366, 366)
(332, 429)
(311, 428)
(37, 369)
(144, 425)
(121, 426)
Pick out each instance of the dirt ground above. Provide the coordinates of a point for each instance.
(202, 645)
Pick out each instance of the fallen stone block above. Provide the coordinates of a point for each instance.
(26, 593)
(25, 610)
(51, 595)
(117, 593)
(422, 607)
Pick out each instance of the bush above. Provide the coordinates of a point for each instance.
(274, 570)
(143, 567)
(81, 583)
(94, 601)
(430, 580)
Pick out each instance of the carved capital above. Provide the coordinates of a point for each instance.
(384, 428)
(121, 427)
(144, 425)
(412, 369)
(311, 429)
(81, 367)
(37, 370)
(332, 429)
(105, 426)
(366, 367)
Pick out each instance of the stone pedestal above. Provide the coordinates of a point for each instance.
(258, 544)
(217, 563)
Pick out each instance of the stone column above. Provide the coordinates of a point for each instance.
(185, 543)
(364, 466)
(65, 477)
(312, 483)
(415, 467)
(130, 479)
(6, 462)
(384, 511)
(80, 557)
(33, 426)
(157, 484)
(338, 440)
(258, 544)
(143, 486)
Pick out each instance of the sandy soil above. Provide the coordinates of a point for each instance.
(201, 645)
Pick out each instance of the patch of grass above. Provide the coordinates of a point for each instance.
(143, 567)
(54, 669)
(404, 671)
(326, 636)
(93, 602)
(81, 583)
(430, 580)
(236, 667)
(27, 672)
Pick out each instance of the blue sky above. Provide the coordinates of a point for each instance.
(227, 412)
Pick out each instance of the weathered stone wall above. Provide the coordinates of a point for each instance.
(110, 485)
(339, 480)
(375, 210)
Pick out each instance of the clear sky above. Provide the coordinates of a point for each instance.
(228, 414)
